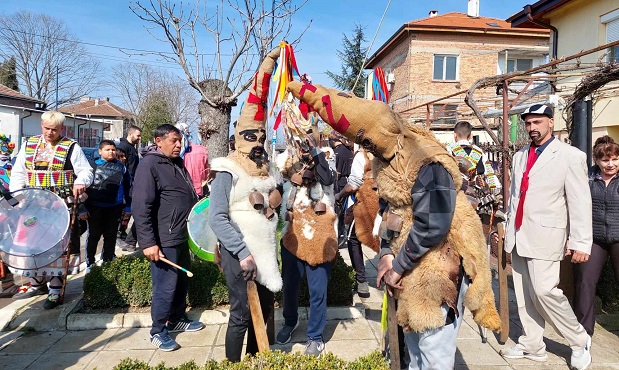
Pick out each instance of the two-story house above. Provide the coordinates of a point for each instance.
(434, 57)
(579, 25)
(107, 120)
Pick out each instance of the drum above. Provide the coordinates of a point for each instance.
(35, 232)
(202, 240)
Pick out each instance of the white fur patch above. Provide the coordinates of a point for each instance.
(377, 222)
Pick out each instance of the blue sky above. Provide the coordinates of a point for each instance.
(112, 23)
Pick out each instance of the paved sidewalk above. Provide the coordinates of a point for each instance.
(39, 339)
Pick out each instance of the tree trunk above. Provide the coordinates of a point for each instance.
(215, 120)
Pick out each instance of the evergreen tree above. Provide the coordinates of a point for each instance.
(352, 56)
(156, 111)
(8, 74)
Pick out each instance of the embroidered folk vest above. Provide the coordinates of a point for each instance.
(54, 175)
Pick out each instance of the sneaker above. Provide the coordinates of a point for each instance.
(285, 334)
(581, 358)
(164, 342)
(128, 247)
(28, 291)
(52, 301)
(89, 268)
(314, 347)
(184, 324)
(517, 352)
(363, 290)
(74, 264)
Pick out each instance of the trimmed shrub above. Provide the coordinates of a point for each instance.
(608, 289)
(126, 281)
(275, 360)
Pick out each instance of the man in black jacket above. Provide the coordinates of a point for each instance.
(127, 145)
(162, 199)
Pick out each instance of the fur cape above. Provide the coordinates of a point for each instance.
(366, 207)
(259, 233)
(432, 282)
(309, 236)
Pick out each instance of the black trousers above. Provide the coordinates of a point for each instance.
(240, 315)
(102, 221)
(586, 277)
(170, 287)
(356, 256)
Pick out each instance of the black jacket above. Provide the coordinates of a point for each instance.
(605, 204)
(163, 196)
(132, 155)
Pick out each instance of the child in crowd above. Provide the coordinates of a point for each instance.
(126, 213)
(106, 198)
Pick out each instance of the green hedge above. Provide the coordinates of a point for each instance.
(126, 281)
(608, 289)
(276, 360)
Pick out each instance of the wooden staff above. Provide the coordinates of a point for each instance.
(503, 299)
(256, 316)
(68, 252)
(392, 328)
(189, 273)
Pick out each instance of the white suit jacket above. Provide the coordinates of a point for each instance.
(557, 204)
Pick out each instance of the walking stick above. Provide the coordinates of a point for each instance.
(394, 340)
(256, 316)
(503, 298)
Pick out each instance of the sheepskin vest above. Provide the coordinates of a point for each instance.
(259, 233)
(366, 207)
(311, 237)
(433, 281)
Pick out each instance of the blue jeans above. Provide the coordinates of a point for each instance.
(169, 287)
(317, 281)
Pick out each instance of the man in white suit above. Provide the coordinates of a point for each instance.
(552, 177)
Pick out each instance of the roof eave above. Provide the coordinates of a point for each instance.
(538, 10)
(384, 47)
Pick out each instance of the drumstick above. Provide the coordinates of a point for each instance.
(189, 273)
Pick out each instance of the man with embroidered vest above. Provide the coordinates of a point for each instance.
(479, 164)
(107, 197)
(547, 204)
(56, 163)
(433, 241)
(162, 199)
(242, 215)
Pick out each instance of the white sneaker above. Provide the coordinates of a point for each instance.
(581, 358)
(517, 352)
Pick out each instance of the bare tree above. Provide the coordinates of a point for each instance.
(44, 48)
(140, 84)
(237, 34)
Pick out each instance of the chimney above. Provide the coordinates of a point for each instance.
(84, 98)
(433, 13)
(96, 102)
(107, 98)
(473, 10)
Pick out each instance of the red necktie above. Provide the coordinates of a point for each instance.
(524, 185)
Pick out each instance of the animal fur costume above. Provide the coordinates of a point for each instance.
(309, 236)
(259, 232)
(400, 152)
(366, 206)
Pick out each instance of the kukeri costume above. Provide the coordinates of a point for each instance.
(242, 214)
(57, 169)
(435, 274)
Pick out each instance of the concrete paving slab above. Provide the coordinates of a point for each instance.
(474, 352)
(351, 349)
(180, 356)
(106, 360)
(481, 367)
(137, 320)
(204, 337)
(218, 353)
(34, 316)
(347, 330)
(68, 361)
(210, 317)
(33, 343)
(8, 338)
(16, 362)
(84, 340)
(346, 313)
(130, 339)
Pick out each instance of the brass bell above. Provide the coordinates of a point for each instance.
(320, 207)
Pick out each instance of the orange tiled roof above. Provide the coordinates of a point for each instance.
(102, 108)
(6, 91)
(462, 21)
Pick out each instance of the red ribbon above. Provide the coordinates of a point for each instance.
(278, 120)
(340, 126)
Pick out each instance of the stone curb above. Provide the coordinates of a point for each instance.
(90, 321)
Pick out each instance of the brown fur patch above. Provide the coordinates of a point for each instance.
(365, 210)
(322, 247)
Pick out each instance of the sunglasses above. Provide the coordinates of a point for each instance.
(251, 135)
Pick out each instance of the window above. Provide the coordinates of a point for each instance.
(519, 64)
(445, 67)
(612, 34)
(444, 114)
(107, 127)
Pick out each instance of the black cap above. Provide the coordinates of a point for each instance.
(542, 109)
